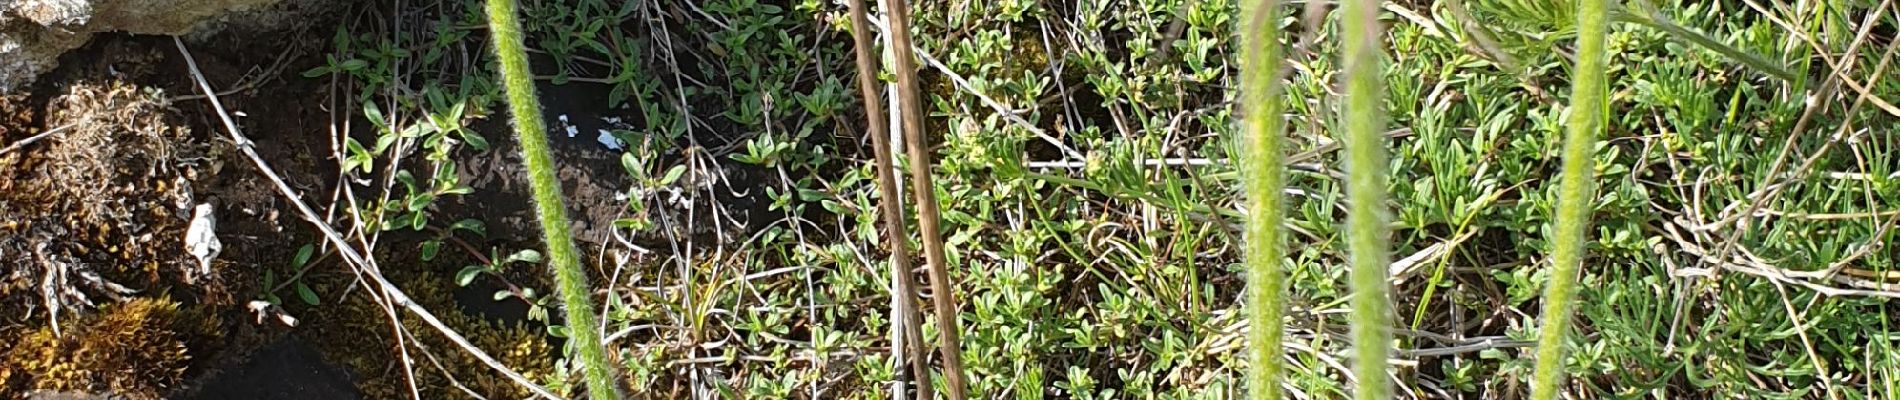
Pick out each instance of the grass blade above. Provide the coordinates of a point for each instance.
(525, 108)
(1576, 192)
(1262, 157)
(1646, 14)
(1367, 234)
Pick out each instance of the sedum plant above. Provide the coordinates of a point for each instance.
(583, 331)
(1364, 121)
(1576, 192)
(1265, 171)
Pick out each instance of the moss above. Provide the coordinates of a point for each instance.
(357, 334)
(107, 188)
(137, 349)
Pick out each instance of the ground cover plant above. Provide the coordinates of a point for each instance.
(1107, 217)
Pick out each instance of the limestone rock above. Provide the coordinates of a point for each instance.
(34, 33)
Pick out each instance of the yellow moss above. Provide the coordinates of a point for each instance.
(136, 349)
(357, 334)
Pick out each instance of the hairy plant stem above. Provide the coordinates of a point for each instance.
(525, 108)
(1264, 178)
(1364, 119)
(1576, 192)
(888, 207)
(924, 193)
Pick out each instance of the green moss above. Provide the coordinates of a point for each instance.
(357, 334)
(138, 349)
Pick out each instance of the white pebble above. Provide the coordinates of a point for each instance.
(607, 139)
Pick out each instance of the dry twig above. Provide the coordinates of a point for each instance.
(895, 233)
(925, 195)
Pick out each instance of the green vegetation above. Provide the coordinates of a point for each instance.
(1093, 176)
(1363, 119)
(576, 295)
(1264, 175)
(1576, 198)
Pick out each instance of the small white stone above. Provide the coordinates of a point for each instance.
(571, 130)
(201, 241)
(607, 139)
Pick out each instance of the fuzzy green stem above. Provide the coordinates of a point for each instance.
(1364, 120)
(1576, 192)
(525, 108)
(1265, 174)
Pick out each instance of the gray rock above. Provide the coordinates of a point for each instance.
(34, 33)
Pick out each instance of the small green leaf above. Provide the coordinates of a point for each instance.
(502, 294)
(557, 331)
(309, 296)
(417, 130)
(474, 140)
(673, 175)
(525, 255)
(316, 72)
(471, 225)
(356, 151)
(373, 113)
(408, 180)
(353, 64)
(810, 195)
(420, 202)
(382, 143)
(303, 256)
(430, 248)
(468, 274)
(632, 165)
(630, 223)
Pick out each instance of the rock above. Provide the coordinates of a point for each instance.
(34, 33)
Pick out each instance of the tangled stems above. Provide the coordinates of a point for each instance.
(1575, 192)
(1364, 122)
(525, 108)
(1265, 177)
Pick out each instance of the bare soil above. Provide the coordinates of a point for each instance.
(107, 203)
(111, 195)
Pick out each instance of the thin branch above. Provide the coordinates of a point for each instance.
(35, 138)
(895, 233)
(925, 194)
(964, 84)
